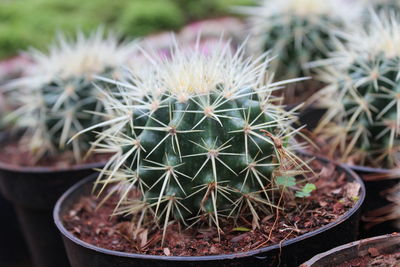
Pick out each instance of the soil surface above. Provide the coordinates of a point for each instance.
(11, 153)
(92, 223)
(374, 259)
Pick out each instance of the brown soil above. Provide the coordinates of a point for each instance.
(12, 154)
(374, 259)
(94, 225)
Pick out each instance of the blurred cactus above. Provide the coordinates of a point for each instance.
(201, 139)
(57, 98)
(383, 5)
(363, 94)
(297, 31)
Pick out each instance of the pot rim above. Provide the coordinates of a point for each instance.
(46, 169)
(322, 255)
(355, 167)
(367, 169)
(254, 253)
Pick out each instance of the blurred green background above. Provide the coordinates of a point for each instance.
(25, 23)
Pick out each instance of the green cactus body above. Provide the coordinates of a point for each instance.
(208, 145)
(297, 31)
(57, 97)
(283, 40)
(366, 101)
(208, 152)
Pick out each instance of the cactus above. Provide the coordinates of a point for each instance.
(363, 121)
(201, 139)
(383, 5)
(57, 97)
(297, 31)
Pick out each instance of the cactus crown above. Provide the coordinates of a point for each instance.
(297, 31)
(57, 92)
(364, 94)
(200, 138)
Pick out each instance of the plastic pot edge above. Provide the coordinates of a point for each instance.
(319, 256)
(67, 234)
(367, 169)
(41, 169)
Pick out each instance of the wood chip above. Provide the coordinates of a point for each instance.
(323, 203)
(143, 237)
(373, 252)
(238, 238)
(213, 250)
(352, 190)
(167, 252)
(326, 172)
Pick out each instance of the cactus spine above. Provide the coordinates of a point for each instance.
(206, 142)
(57, 97)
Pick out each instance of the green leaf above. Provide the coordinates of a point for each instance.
(306, 191)
(241, 229)
(286, 180)
(300, 194)
(308, 188)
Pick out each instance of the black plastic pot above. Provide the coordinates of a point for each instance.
(13, 249)
(385, 244)
(289, 253)
(34, 191)
(309, 116)
(374, 198)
